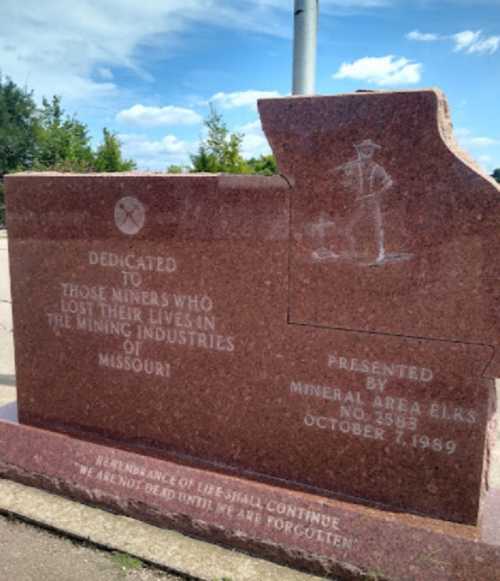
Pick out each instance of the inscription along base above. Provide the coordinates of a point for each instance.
(323, 536)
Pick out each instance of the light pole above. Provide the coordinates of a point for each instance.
(304, 46)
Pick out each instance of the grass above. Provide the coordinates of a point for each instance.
(126, 562)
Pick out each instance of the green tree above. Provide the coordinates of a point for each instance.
(109, 156)
(221, 150)
(17, 127)
(496, 175)
(17, 132)
(263, 165)
(176, 169)
(46, 138)
(62, 142)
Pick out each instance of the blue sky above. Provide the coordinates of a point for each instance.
(148, 70)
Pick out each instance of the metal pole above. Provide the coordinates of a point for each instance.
(304, 48)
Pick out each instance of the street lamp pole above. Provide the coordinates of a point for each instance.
(304, 47)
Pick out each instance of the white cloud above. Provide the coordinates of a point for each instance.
(486, 160)
(483, 141)
(341, 7)
(386, 70)
(486, 45)
(284, 4)
(153, 116)
(241, 98)
(484, 149)
(151, 154)
(359, 3)
(471, 41)
(488, 163)
(105, 73)
(423, 36)
(468, 140)
(461, 132)
(252, 127)
(72, 48)
(254, 142)
(465, 39)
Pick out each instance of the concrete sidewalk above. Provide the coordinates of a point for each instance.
(162, 549)
(29, 553)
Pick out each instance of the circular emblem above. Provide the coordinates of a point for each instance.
(130, 215)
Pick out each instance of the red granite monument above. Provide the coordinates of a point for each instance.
(267, 356)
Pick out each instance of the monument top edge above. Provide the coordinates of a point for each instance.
(55, 174)
(357, 93)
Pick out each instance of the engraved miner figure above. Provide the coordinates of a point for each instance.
(368, 181)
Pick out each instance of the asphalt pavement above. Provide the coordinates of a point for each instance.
(33, 554)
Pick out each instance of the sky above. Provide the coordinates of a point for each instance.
(149, 70)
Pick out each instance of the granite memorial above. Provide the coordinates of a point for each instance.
(287, 364)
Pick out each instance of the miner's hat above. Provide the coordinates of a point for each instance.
(367, 143)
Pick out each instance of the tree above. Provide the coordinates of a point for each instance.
(176, 169)
(263, 165)
(221, 150)
(496, 175)
(17, 127)
(62, 143)
(109, 156)
(17, 131)
(46, 138)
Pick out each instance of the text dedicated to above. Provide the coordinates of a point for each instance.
(138, 315)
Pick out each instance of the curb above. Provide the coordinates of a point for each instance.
(165, 549)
